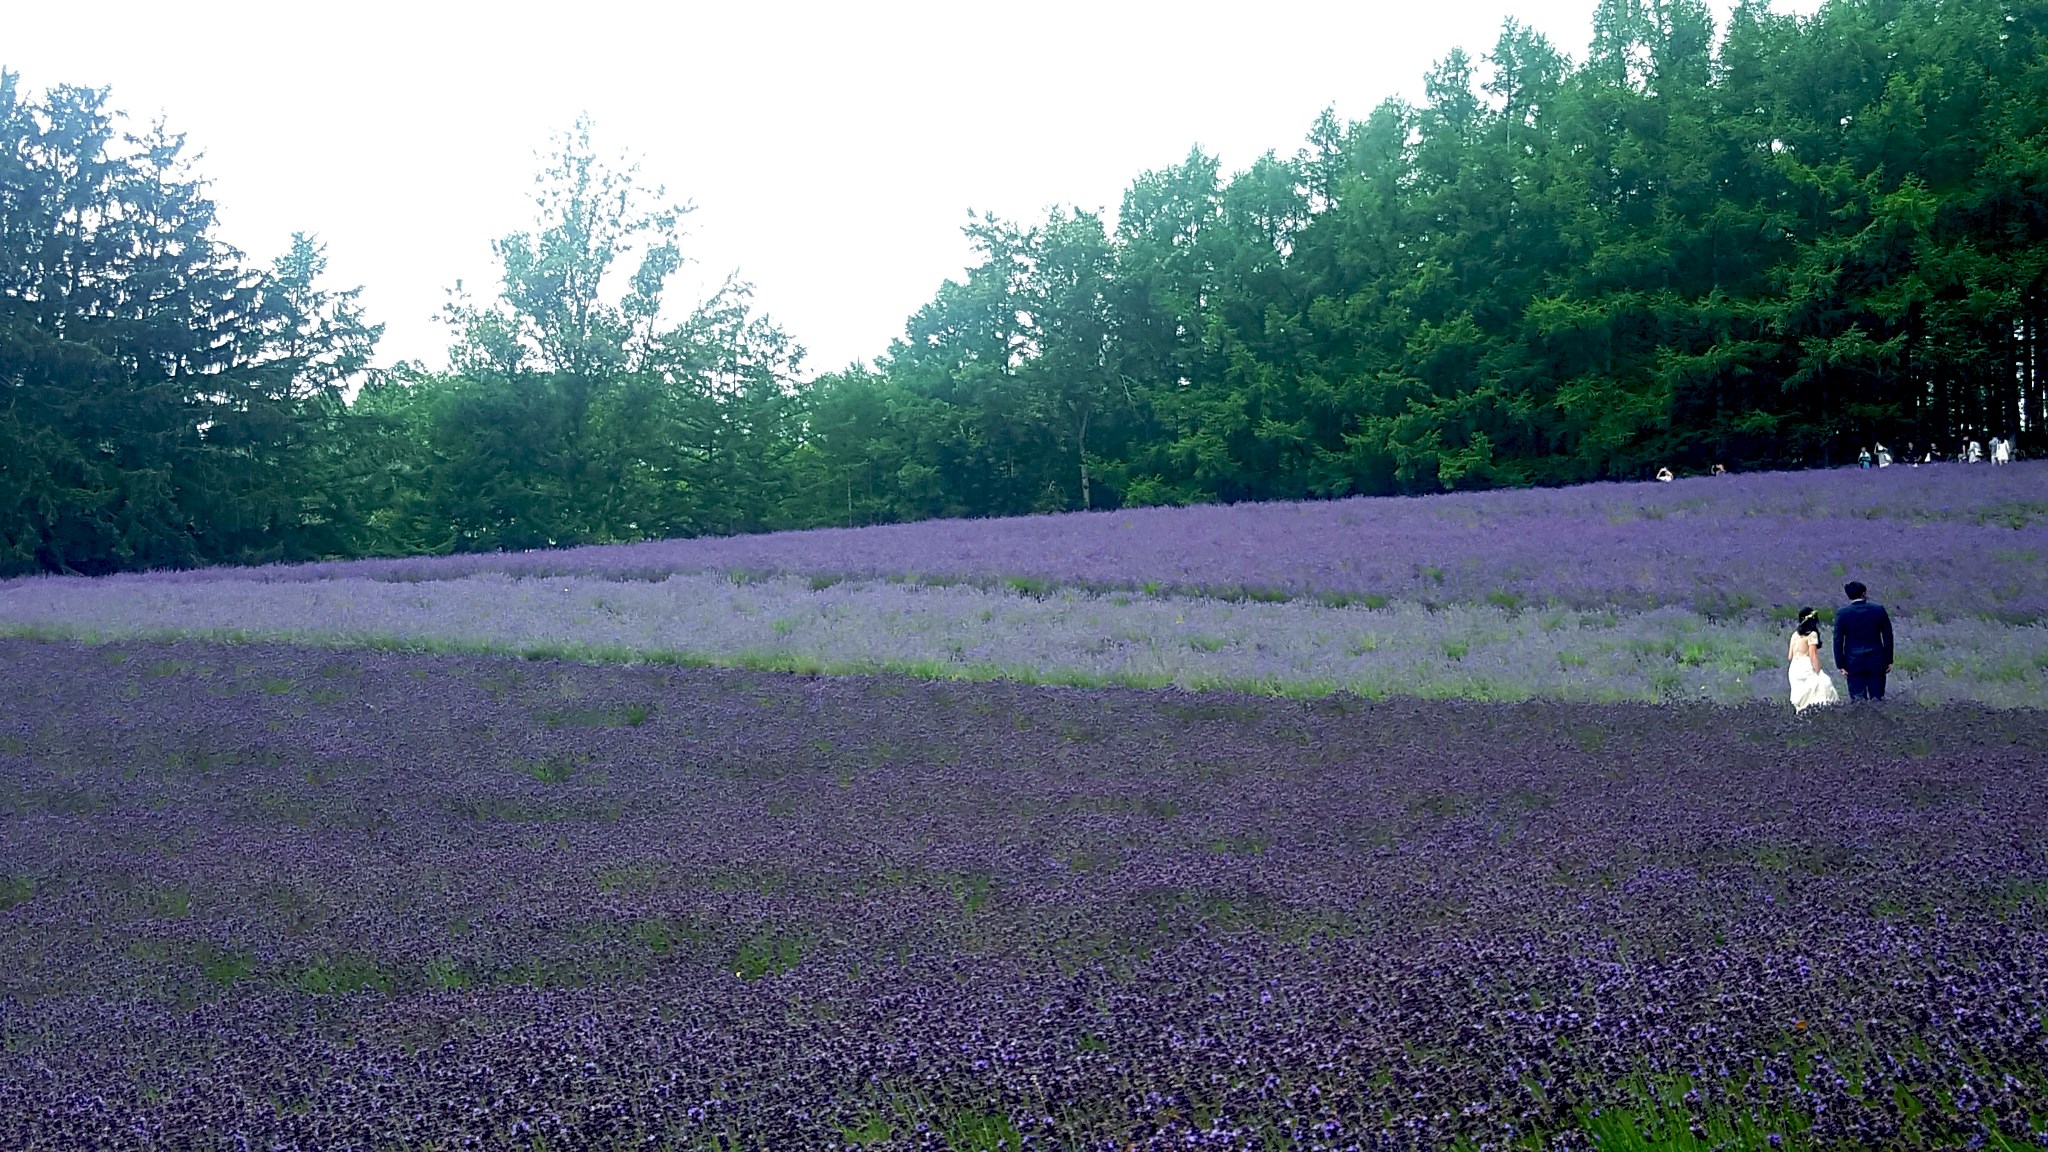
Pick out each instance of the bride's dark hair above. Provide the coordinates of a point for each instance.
(1809, 622)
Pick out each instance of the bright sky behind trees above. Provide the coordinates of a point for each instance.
(833, 151)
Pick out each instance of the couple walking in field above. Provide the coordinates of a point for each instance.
(1863, 651)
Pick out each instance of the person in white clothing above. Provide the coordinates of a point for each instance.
(1884, 456)
(1974, 454)
(2001, 451)
(1810, 684)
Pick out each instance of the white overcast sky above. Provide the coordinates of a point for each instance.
(833, 150)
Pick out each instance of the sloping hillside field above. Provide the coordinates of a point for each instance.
(1601, 593)
(1945, 538)
(1488, 828)
(259, 897)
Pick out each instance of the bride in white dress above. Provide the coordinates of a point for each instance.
(1810, 685)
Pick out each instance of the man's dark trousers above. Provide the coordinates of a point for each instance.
(1863, 648)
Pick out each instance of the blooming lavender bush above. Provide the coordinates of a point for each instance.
(343, 896)
(271, 897)
(1300, 648)
(1948, 540)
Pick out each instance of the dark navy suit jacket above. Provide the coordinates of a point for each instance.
(1863, 637)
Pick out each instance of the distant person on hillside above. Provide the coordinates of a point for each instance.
(1973, 453)
(1884, 456)
(1863, 458)
(1664, 476)
(1720, 470)
(2001, 451)
(1863, 643)
(1811, 685)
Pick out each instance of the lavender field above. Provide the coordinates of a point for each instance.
(1946, 540)
(261, 896)
(1601, 593)
(1474, 822)
(1297, 648)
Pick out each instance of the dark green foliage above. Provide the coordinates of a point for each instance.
(571, 415)
(551, 769)
(345, 973)
(768, 954)
(223, 966)
(161, 404)
(1828, 231)
(1764, 245)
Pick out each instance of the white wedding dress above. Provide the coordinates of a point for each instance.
(1809, 685)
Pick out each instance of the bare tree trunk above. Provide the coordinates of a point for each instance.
(1087, 499)
(2033, 383)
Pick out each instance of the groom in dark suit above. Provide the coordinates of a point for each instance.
(1863, 643)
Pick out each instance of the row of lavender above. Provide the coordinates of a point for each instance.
(275, 897)
(1946, 540)
(1299, 648)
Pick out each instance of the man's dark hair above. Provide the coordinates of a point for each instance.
(1855, 589)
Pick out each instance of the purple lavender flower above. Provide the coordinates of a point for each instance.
(355, 899)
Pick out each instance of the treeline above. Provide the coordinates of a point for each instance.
(1760, 245)
(1763, 247)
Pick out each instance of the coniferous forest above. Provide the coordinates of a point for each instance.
(1764, 244)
